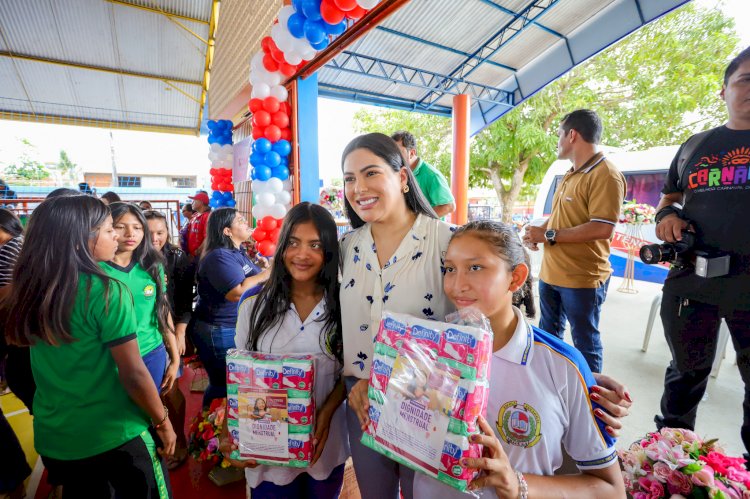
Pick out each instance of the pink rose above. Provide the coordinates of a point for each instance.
(640, 495)
(656, 491)
(662, 471)
(704, 477)
(680, 481)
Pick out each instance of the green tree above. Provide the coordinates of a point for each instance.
(66, 166)
(656, 87)
(26, 168)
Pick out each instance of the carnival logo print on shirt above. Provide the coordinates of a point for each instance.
(148, 290)
(519, 425)
(721, 171)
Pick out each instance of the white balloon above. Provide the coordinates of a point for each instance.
(211, 156)
(227, 149)
(257, 60)
(292, 58)
(261, 91)
(215, 147)
(266, 199)
(260, 211)
(285, 13)
(274, 185)
(258, 186)
(367, 4)
(287, 185)
(277, 211)
(283, 197)
(279, 91)
(274, 78)
(309, 55)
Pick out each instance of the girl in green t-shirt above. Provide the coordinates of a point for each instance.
(139, 266)
(94, 394)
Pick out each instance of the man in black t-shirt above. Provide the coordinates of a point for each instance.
(709, 194)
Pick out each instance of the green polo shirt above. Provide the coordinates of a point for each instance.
(143, 289)
(433, 184)
(80, 407)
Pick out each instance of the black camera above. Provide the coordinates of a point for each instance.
(681, 254)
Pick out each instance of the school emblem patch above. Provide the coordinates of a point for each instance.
(148, 290)
(519, 425)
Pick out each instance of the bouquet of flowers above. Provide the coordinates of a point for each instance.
(205, 430)
(634, 213)
(675, 463)
(332, 199)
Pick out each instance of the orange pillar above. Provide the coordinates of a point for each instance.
(460, 157)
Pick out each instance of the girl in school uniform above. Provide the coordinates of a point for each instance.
(538, 388)
(141, 268)
(94, 396)
(297, 311)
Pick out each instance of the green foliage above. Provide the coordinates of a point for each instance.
(656, 87)
(65, 165)
(26, 168)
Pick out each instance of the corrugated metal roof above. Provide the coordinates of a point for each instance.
(484, 47)
(119, 63)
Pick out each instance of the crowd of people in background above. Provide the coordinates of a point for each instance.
(100, 307)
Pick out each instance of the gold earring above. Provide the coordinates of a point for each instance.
(406, 188)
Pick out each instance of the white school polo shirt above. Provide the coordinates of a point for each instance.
(539, 398)
(295, 336)
(411, 282)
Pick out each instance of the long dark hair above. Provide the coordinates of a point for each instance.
(218, 220)
(275, 298)
(10, 223)
(46, 275)
(158, 215)
(505, 241)
(149, 259)
(386, 149)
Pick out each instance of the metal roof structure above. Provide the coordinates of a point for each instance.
(500, 52)
(134, 64)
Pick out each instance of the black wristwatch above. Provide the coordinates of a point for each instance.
(550, 235)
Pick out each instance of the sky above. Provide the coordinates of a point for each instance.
(91, 146)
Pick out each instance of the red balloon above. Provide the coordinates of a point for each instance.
(270, 63)
(330, 13)
(265, 43)
(273, 133)
(267, 223)
(271, 104)
(259, 235)
(227, 172)
(266, 248)
(222, 187)
(258, 132)
(356, 13)
(284, 106)
(229, 187)
(214, 186)
(286, 134)
(212, 171)
(255, 105)
(345, 5)
(287, 69)
(280, 119)
(262, 118)
(278, 55)
(274, 235)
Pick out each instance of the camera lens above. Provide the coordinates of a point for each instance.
(650, 254)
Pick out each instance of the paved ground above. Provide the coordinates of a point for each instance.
(623, 324)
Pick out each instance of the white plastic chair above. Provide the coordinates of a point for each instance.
(721, 346)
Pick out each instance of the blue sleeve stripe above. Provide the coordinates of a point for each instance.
(599, 462)
(575, 359)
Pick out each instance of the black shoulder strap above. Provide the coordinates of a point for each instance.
(688, 149)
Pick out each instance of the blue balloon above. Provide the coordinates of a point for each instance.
(228, 124)
(211, 124)
(257, 159)
(216, 195)
(252, 174)
(262, 145)
(211, 139)
(272, 159)
(213, 203)
(227, 196)
(230, 203)
(281, 172)
(322, 45)
(311, 9)
(296, 25)
(284, 161)
(262, 172)
(314, 31)
(335, 29)
(283, 147)
(297, 4)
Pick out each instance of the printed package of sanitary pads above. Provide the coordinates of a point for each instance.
(271, 408)
(428, 385)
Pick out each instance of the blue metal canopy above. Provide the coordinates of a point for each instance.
(501, 52)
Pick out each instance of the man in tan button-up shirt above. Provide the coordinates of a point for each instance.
(586, 206)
